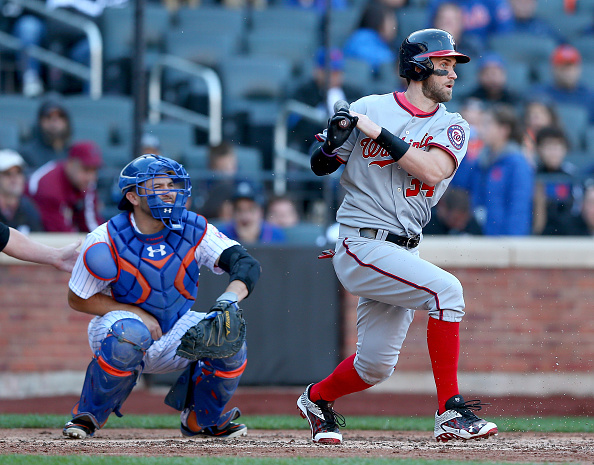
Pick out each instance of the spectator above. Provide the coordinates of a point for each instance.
(472, 111)
(482, 18)
(247, 224)
(16, 210)
(214, 199)
(51, 135)
(502, 192)
(374, 39)
(453, 215)
(566, 86)
(557, 191)
(492, 84)
(65, 191)
(282, 211)
(525, 21)
(583, 224)
(325, 87)
(449, 16)
(538, 113)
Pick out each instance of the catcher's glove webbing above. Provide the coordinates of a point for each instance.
(219, 335)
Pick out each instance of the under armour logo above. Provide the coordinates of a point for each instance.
(167, 210)
(152, 251)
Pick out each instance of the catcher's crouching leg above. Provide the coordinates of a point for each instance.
(110, 377)
(214, 382)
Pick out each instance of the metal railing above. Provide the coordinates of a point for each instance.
(282, 152)
(213, 123)
(92, 73)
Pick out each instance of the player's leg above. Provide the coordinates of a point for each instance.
(381, 330)
(112, 373)
(387, 273)
(214, 382)
(204, 388)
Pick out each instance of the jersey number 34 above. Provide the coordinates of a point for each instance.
(417, 186)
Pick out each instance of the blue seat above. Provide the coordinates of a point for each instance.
(305, 234)
(9, 134)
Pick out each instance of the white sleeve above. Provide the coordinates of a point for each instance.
(83, 283)
(212, 246)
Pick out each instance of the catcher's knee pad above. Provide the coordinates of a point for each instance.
(125, 344)
(104, 390)
(214, 383)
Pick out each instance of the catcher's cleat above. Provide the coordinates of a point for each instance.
(78, 429)
(323, 420)
(459, 422)
(227, 431)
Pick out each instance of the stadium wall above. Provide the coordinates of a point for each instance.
(528, 328)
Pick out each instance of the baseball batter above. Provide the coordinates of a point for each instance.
(399, 153)
(138, 273)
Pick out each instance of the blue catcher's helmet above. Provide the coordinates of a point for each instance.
(147, 167)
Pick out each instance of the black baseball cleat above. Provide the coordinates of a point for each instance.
(459, 422)
(323, 420)
(228, 430)
(78, 429)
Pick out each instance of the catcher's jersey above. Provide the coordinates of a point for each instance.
(84, 284)
(379, 193)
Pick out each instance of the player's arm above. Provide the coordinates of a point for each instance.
(243, 269)
(322, 163)
(24, 248)
(430, 166)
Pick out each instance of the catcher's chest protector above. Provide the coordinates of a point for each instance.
(157, 272)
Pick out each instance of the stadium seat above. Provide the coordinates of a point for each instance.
(99, 132)
(175, 137)
(118, 33)
(202, 46)
(411, 19)
(304, 233)
(10, 134)
(342, 24)
(249, 159)
(247, 78)
(526, 48)
(285, 19)
(575, 122)
(358, 73)
(210, 19)
(297, 47)
(19, 109)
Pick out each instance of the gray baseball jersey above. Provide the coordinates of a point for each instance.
(379, 193)
(392, 281)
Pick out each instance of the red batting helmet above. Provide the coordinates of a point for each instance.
(418, 48)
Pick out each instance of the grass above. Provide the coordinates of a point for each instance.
(506, 424)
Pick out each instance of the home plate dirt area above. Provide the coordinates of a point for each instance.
(506, 447)
(512, 447)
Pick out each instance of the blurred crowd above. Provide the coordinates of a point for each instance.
(529, 169)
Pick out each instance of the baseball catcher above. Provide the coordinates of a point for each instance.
(138, 274)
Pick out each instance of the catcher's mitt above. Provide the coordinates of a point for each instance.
(219, 335)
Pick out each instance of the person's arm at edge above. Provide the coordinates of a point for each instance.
(24, 248)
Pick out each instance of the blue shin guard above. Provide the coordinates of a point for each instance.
(113, 372)
(214, 383)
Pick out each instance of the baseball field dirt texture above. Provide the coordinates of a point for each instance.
(525, 447)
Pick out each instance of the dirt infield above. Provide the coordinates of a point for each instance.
(516, 447)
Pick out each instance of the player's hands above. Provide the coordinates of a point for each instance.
(67, 257)
(340, 127)
(366, 126)
(151, 323)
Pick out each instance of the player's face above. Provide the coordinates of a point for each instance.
(162, 187)
(439, 88)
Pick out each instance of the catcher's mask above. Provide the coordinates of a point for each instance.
(418, 48)
(146, 168)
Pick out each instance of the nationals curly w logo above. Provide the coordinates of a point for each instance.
(456, 135)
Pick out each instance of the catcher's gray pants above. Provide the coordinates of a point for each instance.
(160, 357)
(392, 282)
